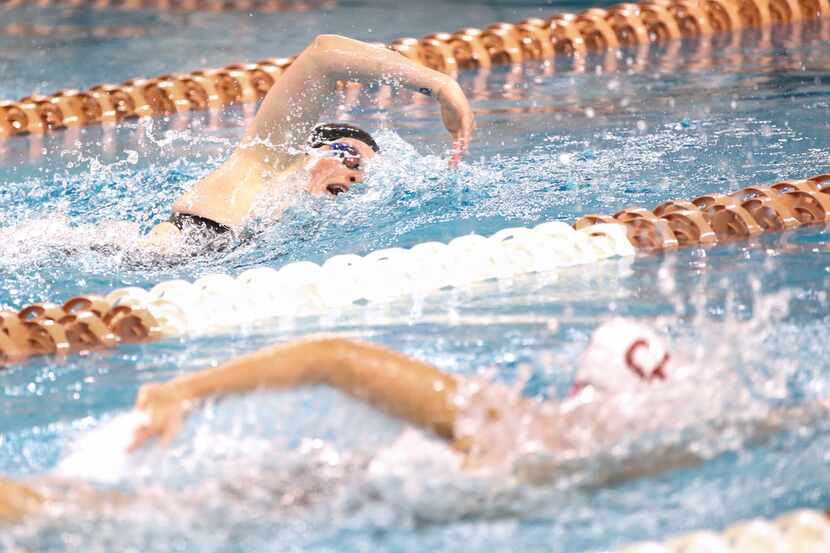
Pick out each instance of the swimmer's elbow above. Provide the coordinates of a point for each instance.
(323, 48)
(327, 42)
(324, 357)
(326, 50)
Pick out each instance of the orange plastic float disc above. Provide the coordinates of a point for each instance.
(9, 352)
(503, 42)
(672, 206)
(134, 325)
(13, 120)
(35, 123)
(149, 98)
(193, 91)
(469, 50)
(822, 182)
(92, 303)
(633, 213)
(46, 337)
(12, 326)
(691, 227)
(814, 9)
(785, 11)
(215, 95)
(45, 111)
(650, 234)
(754, 13)
(79, 108)
(88, 331)
(732, 222)
(724, 16)
(567, 40)
(535, 42)
(41, 312)
(660, 23)
(627, 24)
(772, 214)
(692, 18)
(599, 36)
(409, 48)
(588, 220)
(116, 104)
(437, 54)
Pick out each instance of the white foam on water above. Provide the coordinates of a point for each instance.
(101, 454)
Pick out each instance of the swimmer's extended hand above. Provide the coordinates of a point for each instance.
(165, 408)
(458, 118)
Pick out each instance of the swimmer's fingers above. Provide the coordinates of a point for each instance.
(456, 154)
(140, 437)
(173, 426)
(166, 425)
(458, 118)
(165, 410)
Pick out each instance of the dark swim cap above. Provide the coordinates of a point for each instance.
(327, 133)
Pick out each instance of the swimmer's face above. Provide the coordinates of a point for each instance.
(334, 168)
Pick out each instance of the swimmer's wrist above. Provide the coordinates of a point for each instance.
(183, 390)
(438, 92)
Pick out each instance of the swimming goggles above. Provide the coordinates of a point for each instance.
(347, 154)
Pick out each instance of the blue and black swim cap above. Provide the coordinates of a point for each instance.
(327, 133)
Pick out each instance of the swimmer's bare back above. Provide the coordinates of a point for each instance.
(272, 148)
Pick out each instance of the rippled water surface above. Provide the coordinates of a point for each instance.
(281, 471)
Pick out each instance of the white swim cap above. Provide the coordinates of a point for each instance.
(623, 356)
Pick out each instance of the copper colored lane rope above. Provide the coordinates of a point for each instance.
(260, 6)
(81, 324)
(90, 322)
(574, 35)
(29, 31)
(715, 218)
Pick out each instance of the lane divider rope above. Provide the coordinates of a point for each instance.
(219, 302)
(802, 531)
(260, 6)
(565, 34)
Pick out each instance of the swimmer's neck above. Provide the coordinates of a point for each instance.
(228, 194)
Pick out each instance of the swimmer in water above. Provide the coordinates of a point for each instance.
(285, 146)
(622, 389)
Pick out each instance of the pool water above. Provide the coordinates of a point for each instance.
(281, 472)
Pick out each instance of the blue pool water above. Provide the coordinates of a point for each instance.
(550, 146)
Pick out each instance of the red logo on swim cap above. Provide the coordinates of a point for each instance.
(659, 372)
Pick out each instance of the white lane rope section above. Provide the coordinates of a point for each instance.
(219, 302)
(803, 531)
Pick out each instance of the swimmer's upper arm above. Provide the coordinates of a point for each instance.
(396, 383)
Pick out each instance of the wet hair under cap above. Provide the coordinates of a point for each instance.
(327, 133)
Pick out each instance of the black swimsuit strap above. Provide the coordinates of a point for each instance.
(179, 220)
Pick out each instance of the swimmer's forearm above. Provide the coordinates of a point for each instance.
(342, 58)
(405, 387)
(16, 501)
(294, 104)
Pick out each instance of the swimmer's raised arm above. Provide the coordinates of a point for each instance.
(400, 385)
(294, 104)
(274, 144)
